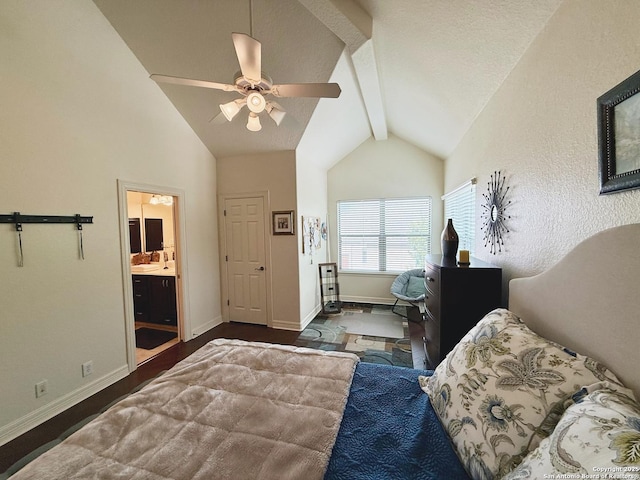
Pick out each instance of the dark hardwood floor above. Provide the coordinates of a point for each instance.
(51, 429)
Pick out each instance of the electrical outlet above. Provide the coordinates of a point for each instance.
(87, 368)
(42, 388)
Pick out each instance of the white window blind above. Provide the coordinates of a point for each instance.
(384, 235)
(460, 205)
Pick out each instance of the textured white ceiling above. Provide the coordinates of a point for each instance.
(441, 60)
(428, 71)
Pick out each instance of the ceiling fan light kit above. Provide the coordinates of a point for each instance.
(254, 85)
(256, 102)
(253, 123)
(232, 108)
(275, 111)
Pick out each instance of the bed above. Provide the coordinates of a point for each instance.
(513, 400)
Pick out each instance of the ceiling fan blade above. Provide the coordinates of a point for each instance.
(218, 119)
(249, 53)
(327, 90)
(193, 83)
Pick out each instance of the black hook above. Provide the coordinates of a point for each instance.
(79, 225)
(16, 218)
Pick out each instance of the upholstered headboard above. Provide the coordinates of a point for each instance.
(590, 301)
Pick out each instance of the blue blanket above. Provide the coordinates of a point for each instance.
(390, 431)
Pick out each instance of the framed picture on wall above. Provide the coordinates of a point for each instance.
(619, 136)
(283, 223)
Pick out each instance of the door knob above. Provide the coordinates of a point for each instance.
(259, 269)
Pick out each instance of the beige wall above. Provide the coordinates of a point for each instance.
(311, 187)
(274, 173)
(382, 169)
(540, 130)
(78, 113)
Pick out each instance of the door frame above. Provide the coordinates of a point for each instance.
(222, 238)
(182, 290)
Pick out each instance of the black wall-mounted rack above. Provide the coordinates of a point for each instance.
(17, 218)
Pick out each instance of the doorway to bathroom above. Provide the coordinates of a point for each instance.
(150, 219)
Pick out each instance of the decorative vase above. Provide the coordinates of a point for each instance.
(449, 240)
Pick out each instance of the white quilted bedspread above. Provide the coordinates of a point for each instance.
(232, 410)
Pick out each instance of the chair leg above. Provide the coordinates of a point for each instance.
(417, 305)
(397, 313)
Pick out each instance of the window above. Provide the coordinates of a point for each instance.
(460, 205)
(384, 235)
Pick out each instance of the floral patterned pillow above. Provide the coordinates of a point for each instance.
(597, 437)
(502, 389)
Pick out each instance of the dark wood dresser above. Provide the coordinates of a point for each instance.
(457, 298)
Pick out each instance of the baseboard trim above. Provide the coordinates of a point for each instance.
(283, 325)
(33, 419)
(207, 326)
(374, 300)
(309, 318)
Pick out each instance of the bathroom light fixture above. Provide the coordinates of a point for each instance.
(161, 200)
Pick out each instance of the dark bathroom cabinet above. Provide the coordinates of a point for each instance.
(154, 299)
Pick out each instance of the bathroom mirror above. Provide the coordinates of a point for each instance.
(154, 240)
(135, 239)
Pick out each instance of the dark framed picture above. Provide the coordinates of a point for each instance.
(619, 136)
(283, 223)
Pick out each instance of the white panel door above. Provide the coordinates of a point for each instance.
(245, 257)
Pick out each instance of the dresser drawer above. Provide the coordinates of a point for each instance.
(432, 304)
(432, 280)
(140, 285)
(431, 340)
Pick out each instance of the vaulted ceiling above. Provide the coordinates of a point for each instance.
(419, 69)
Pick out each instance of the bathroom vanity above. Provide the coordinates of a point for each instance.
(154, 296)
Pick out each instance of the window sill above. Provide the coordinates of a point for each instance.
(367, 273)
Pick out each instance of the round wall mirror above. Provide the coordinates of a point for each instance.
(494, 213)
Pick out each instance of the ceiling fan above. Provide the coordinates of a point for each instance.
(255, 86)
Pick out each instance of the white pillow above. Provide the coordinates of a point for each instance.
(501, 390)
(597, 437)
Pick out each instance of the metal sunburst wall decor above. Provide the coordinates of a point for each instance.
(494, 213)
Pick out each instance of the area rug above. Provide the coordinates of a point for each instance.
(387, 325)
(328, 332)
(150, 338)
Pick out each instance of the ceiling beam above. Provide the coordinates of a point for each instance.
(349, 22)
